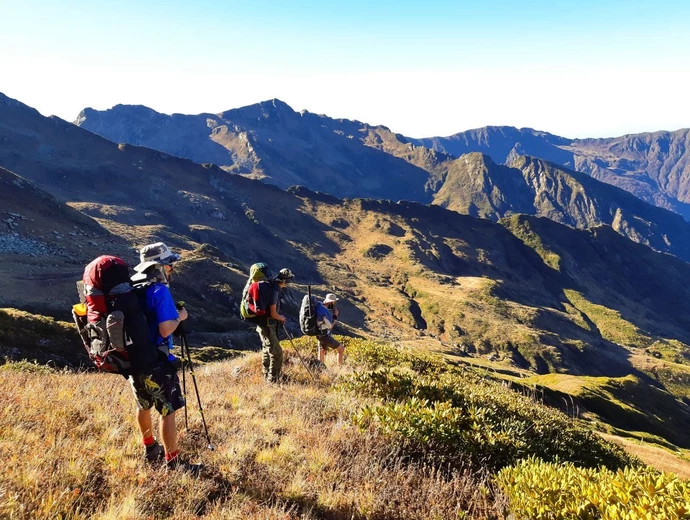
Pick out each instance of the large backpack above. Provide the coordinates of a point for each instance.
(307, 315)
(256, 293)
(109, 318)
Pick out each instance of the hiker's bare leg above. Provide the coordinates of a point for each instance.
(169, 432)
(341, 351)
(144, 420)
(322, 354)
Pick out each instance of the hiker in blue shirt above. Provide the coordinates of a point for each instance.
(161, 387)
(325, 321)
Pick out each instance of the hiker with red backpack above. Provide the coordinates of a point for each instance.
(125, 331)
(261, 305)
(159, 386)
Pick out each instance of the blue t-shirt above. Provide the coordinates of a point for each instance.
(324, 320)
(160, 307)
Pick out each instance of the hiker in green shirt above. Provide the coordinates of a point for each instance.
(272, 353)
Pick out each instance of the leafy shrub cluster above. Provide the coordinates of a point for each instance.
(439, 411)
(26, 366)
(544, 491)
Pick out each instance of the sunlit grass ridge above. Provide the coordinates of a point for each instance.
(393, 434)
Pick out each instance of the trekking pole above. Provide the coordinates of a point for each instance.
(185, 348)
(299, 356)
(184, 384)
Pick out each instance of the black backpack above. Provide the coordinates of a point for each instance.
(307, 315)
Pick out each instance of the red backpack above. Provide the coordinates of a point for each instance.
(256, 294)
(109, 318)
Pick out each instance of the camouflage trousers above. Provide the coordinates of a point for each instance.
(271, 352)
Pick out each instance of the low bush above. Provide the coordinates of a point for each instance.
(547, 491)
(440, 411)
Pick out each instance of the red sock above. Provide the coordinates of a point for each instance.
(148, 441)
(171, 456)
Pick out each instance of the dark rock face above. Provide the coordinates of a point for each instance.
(272, 142)
(378, 251)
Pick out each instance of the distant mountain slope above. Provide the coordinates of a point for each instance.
(396, 261)
(269, 141)
(659, 160)
(44, 245)
(502, 143)
(654, 167)
(477, 186)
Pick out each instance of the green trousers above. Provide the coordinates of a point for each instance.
(272, 352)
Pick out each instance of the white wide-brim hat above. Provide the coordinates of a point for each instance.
(330, 297)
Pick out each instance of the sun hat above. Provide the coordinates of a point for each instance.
(155, 254)
(330, 297)
(284, 275)
(158, 253)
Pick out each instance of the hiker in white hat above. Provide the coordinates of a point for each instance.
(161, 387)
(326, 316)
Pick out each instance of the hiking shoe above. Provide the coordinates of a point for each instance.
(154, 453)
(179, 464)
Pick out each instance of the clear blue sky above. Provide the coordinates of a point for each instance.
(578, 69)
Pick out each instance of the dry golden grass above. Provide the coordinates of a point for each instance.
(70, 449)
(653, 455)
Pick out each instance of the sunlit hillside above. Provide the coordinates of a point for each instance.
(392, 434)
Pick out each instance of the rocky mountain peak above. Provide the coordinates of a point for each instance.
(272, 110)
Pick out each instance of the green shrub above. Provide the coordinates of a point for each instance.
(453, 416)
(547, 491)
(370, 354)
(31, 367)
(437, 410)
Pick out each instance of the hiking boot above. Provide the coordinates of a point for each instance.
(183, 465)
(154, 453)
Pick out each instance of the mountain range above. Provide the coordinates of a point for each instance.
(272, 142)
(533, 293)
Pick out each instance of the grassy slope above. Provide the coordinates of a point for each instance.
(281, 452)
(288, 451)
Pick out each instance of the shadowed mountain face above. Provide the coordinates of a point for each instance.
(44, 245)
(269, 141)
(654, 167)
(477, 186)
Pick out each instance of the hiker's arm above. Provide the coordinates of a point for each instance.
(166, 328)
(273, 313)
